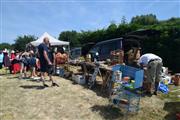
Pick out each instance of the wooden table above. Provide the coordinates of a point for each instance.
(106, 72)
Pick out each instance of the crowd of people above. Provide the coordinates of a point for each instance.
(20, 61)
(44, 60)
(40, 63)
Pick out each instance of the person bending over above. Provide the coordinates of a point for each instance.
(154, 64)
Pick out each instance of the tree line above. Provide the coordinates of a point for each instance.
(166, 43)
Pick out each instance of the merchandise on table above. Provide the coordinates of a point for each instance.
(124, 92)
(57, 70)
(126, 79)
(166, 80)
(118, 75)
(176, 79)
(117, 56)
(163, 88)
(125, 99)
(61, 58)
(60, 71)
(80, 79)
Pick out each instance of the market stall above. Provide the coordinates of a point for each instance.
(52, 40)
(126, 84)
(61, 57)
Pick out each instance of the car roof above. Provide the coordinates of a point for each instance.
(77, 48)
(106, 41)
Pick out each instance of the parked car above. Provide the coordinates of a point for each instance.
(126, 42)
(75, 53)
(104, 48)
(86, 48)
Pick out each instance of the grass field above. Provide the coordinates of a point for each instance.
(27, 100)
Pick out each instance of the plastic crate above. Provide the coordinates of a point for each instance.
(131, 99)
(135, 73)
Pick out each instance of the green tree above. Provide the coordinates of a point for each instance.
(21, 41)
(5, 45)
(70, 36)
(111, 31)
(165, 44)
(149, 19)
(123, 20)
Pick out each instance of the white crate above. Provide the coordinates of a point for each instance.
(80, 79)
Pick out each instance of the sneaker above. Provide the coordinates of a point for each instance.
(55, 84)
(45, 85)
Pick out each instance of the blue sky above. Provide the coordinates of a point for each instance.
(34, 17)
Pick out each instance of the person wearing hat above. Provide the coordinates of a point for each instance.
(154, 64)
(13, 56)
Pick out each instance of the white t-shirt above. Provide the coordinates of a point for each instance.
(17, 57)
(144, 59)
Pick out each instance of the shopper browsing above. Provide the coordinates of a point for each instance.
(154, 64)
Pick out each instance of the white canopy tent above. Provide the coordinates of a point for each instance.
(53, 41)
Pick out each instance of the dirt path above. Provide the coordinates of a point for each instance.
(26, 100)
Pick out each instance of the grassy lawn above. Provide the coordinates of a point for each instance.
(27, 100)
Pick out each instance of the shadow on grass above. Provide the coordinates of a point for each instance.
(38, 80)
(97, 89)
(108, 112)
(173, 108)
(37, 87)
(99, 92)
(13, 77)
(3, 74)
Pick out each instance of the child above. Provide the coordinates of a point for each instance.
(32, 64)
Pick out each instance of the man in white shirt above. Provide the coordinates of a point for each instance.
(154, 69)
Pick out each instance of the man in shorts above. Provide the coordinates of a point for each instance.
(45, 62)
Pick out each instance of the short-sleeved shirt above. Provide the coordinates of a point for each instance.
(144, 59)
(41, 48)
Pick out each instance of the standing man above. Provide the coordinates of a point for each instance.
(45, 62)
(154, 69)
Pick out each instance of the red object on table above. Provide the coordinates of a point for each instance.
(178, 116)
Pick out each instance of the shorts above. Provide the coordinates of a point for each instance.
(26, 64)
(50, 69)
(47, 68)
(43, 68)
